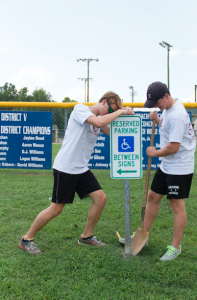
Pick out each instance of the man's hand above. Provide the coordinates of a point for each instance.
(127, 111)
(169, 149)
(154, 116)
(151, 151)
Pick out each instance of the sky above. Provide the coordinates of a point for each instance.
(41, 41)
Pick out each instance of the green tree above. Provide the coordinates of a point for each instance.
(8, 92)
(23, 96)
(41, 96)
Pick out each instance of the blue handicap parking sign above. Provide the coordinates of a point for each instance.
(126, 143)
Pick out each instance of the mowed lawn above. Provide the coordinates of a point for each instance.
(68, 271)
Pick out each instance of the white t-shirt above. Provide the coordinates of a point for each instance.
(175, 126)
(78, 144)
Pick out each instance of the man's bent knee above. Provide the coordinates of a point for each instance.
(56, 208)
(103, 199)
(99, 197)
(154, 198)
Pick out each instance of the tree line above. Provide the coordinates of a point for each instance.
(8, 92)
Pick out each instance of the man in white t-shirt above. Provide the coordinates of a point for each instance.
(70, 170)
(174, 176)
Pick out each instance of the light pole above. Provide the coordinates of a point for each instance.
(164, 44)
(85, 79)
(133, 93)
(195, 91)
(131, 87)
(88, 61)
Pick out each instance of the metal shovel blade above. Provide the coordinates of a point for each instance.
(138, 241)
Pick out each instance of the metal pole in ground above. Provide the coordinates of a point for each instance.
(85, 88)
(65, 119)
(127, 228)
(88, 82)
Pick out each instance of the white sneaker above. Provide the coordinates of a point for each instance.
(122, 240)
(171, 254)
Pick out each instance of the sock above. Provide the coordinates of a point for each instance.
(28, 240)
(87, 238)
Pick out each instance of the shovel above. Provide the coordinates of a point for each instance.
(141, 236)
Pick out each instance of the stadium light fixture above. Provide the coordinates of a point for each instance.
(164, 45)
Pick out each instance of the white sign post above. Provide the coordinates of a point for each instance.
(126, 160)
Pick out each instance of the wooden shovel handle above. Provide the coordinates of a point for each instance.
(147, 176)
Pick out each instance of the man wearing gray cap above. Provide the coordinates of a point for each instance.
(174, 176)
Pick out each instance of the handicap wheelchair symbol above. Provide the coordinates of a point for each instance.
(126, 144)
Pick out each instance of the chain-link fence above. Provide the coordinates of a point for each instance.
(60, 120)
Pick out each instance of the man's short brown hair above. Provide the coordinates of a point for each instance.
(112, 98)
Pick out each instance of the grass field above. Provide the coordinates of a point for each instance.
(68, 271)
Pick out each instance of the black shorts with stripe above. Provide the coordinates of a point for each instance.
(65, 186)
(174, 186)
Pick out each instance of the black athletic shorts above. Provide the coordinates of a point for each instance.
(65, 186)
(174, 186)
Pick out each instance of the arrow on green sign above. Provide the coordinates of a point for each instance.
(121, 171)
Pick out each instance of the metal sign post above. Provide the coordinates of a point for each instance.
(127, 227)
(126, 160)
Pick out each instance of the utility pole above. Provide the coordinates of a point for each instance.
(88, 61)
(164, 44)
(195, 91)
(133, 93)
(85, 79)
(131, 87)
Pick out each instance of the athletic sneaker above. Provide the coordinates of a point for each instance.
(92, 241)
(122, 240)
(29, 246)
(171, 254)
